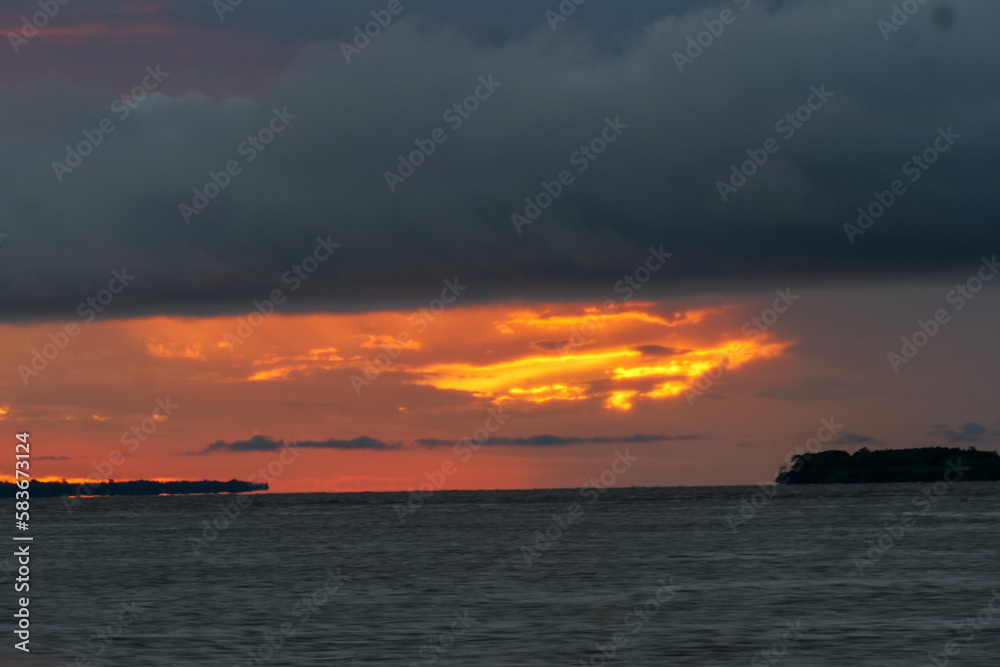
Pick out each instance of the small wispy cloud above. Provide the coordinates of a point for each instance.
(546, 440)
(968, 432)
(263, 443)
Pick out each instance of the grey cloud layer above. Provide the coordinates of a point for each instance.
(323, 175)
(969, 432)
(557, 441)
(262, 443)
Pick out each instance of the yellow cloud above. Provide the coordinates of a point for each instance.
(278, 367)
(613, 367)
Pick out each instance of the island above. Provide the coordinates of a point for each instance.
(140, 487)
(926, 464)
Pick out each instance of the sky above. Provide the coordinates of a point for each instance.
(492, 245)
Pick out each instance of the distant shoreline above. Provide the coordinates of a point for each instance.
(820, 468)
(139, 487)
(887, 466)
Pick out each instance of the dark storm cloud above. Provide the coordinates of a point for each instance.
(323, 175)
(489, 24)
(261, 443)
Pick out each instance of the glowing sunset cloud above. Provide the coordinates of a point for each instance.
(546, 319)
(282, 367)
(566, 374)
(539, 379)
(379, 342)
(552, 354)
(509, 376)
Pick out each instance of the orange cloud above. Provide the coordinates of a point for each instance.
(635, 353)
(547, 319)
(278, 367)
(174, 350)
(632, 354)
(387, 341)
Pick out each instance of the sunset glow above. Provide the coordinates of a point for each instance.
(384, 375)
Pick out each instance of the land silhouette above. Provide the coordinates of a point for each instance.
(139, 487)
(926, 464)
